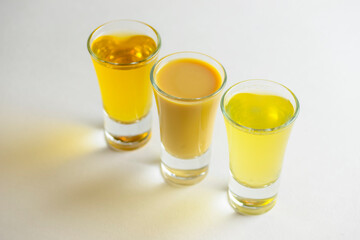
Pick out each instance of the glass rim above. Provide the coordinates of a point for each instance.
(158, 89)
(287, 123)
(158, 45)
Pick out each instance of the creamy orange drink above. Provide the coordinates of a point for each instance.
(123, 53)
(186, 87)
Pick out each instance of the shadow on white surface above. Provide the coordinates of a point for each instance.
(61, 177)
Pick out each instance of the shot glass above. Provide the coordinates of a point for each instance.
(186, 123)
(259, 115)
(123, 52)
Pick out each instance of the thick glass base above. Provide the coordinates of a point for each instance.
(184, 172)
(127, 142)
(252, 201)
(127, 136)
(183, 177)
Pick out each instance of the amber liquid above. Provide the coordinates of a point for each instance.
(186, 125)
(123, 69)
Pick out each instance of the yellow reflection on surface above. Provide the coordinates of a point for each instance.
(42, 142)
(60, 176)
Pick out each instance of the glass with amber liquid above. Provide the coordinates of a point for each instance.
(187, 89)
(123, 53)
(259, 115)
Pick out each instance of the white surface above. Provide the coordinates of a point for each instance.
(59, 181)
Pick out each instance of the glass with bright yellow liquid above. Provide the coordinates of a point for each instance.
(123, 53)
(187, 88)
(259, 115)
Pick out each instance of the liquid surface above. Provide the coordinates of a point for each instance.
(123, 49)
(256, 157)
(125, 90)
(186, 126)
(259, 111)
(188, 78)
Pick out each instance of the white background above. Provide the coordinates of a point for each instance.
(58, 180)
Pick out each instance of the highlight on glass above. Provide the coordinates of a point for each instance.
(259, 115)
(187, 88)
(123, 53)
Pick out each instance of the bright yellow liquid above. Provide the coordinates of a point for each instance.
(124, 80)
(256, 156)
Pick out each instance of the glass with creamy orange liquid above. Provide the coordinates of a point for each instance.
(187, 88)
(123, 53)
(259, 115)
